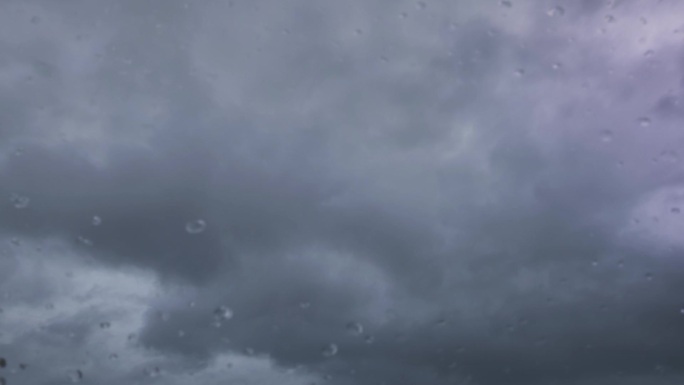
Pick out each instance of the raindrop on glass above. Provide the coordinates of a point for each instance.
(35, 20)
(105, 325)
(305, 305)
(675, 210)
(354, 328)
(649, 53)
(96, 221)
(557, 66)
(609, 18)
(421, 5)
(369, 339)
(181, 333)
(644, 121)
(76, 376)
(330, 350)
(606, 136)
(3, 362)
(506, 3)
(222, 313)
(519, 72)
(23, 366)
(20, 201)
(196, 226)
(113, 356)
(556, 11)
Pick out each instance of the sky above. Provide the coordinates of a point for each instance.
(361, 192)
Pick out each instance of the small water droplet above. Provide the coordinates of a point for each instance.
(609, 18)
(105, 325)
(648, 276)
(195, 227)
(304, 305)
(557, 66)
(192, 304)
(249, 351)
(20, 201)
(131, 337)
(519, 72)
(675, 210)
(35, 20)
(643, 20)
(681, 311)
(644, 121)
(84, 241)
(421, 5)
(113, 356)
(181, 333)
(164, 316)
(50, 306)
(354, 328)
(75, 376)
(369, 339)
(606, 136)
(506, 3)
(330, 350)
(649, 53)
(556, 11)
(222, 313)
(23, 366)
(96, 221)
(153, 372)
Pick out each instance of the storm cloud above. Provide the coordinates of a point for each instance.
(359, 192)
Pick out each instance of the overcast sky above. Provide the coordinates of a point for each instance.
(356, 192)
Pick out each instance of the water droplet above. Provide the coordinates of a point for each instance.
(105, 325)
(20, 201)
(606, 136)
(556, 11)
(506, 3)
(75, 376)
(519, 72)
(681, 311)
(649, 53)
(304, 305)
(84, 241)
(369, 339)
(675, 210)
(96, 221)
(3, 362)
(249, 351)
(23, 366)
(153, 372)
(191, 304)
(113, 356)
(196, 226)
(131, 337)
(50, 306)
(557, 66)
(421, 5)
(35, 20)
(222, 313)
(330, 350)
(163, 315)
(644, 121)
(648, 276)
(181, 333)
(15, 241)
(354, 328)
(609, 18)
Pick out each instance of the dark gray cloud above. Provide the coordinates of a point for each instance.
(491, 193)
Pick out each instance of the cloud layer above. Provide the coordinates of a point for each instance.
(344, 192)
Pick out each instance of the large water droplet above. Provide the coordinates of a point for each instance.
(196, 226)
(644, 121)
(20, 201)
(330, 350)
(556, 11)
(354, 328)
